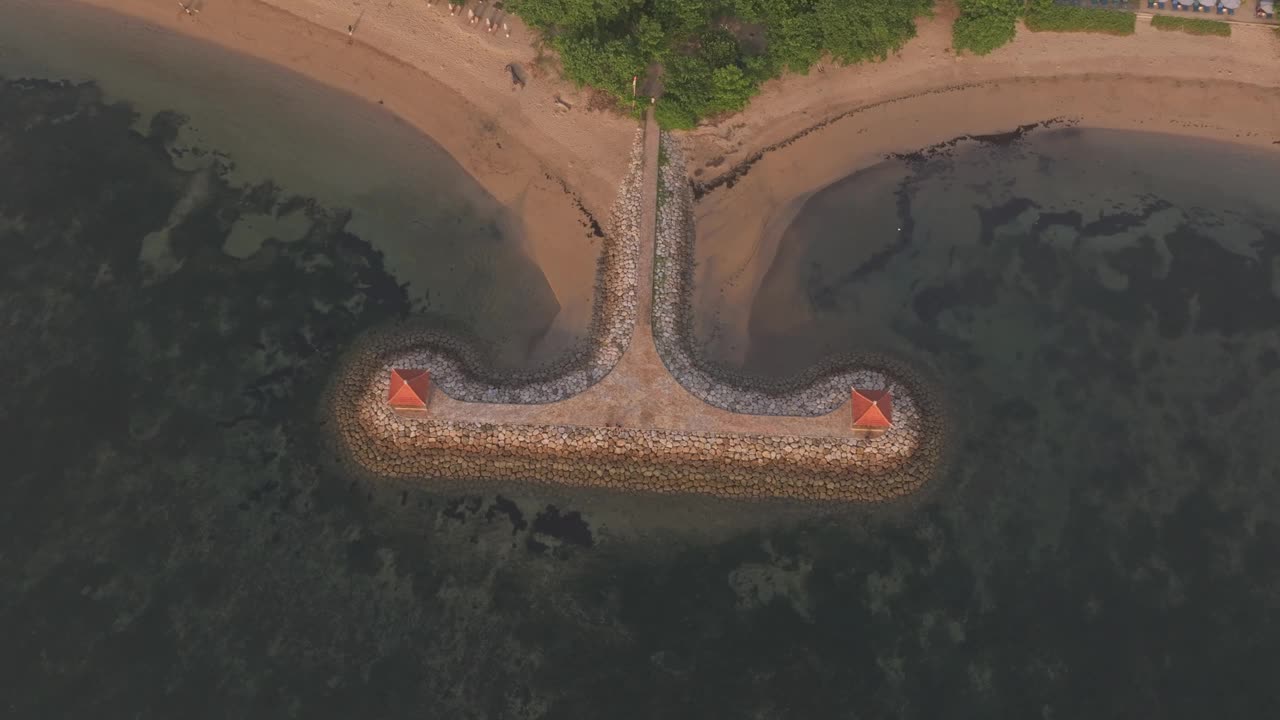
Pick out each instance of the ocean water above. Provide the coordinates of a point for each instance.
(177, 541)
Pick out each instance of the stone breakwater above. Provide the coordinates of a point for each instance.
(687, 448)
(818, 391)
(390, 446)
(459, 368)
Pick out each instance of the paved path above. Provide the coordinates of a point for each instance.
(639, 392)
(648, 231)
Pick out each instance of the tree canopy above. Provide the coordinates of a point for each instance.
(985, 25)
(713, 53)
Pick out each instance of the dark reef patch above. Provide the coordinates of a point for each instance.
(568, 527)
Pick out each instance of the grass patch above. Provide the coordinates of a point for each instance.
(1066, 18)
(1193, 26)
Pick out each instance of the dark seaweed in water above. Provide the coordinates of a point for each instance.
(737, 172)
(174, 548)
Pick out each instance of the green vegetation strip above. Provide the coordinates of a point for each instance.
(1066, 18)
(985, 25)
(1195, 26)
(712, 54)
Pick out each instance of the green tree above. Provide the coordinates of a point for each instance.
(650, 37)
(985, 25)
(608, 66)
(562, 17)
(730, 89)
(709, 64)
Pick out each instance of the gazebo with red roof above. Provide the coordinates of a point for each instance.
(409, 390)
(872, 412)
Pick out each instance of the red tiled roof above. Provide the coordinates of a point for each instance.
(409, 389)
(872, 409)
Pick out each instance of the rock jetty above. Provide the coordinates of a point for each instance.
(736, 465)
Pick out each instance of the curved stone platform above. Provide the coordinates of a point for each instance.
(632, 413)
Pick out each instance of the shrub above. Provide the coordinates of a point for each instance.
(1194, 26)
(1065, 18)
(985, 25)
(709, 65)
(608, 65)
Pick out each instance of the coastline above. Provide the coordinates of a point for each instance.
(434, 72)
(739, 208)
(399, 153)
(797, 104)
(758, 191)
(752, 169)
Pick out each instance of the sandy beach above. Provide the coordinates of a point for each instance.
(436, 72)
(447, 78)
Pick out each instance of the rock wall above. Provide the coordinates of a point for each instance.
(376, 440)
